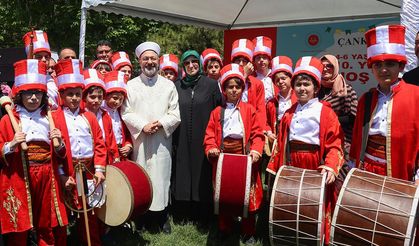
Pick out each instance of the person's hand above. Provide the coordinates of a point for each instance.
(98, 178)
(330, 177)
(417, 181)
(255, 156)
(271, 136)
(126, 150)
(68, 182)
(214, 152)
(248, 69)
(19, 137)
(55, 133)
(151, 127)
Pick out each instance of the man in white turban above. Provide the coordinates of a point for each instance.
(151, 113)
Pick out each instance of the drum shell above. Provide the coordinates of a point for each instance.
(375, 210)
(130, 178)
(297, 211)
(232, 184)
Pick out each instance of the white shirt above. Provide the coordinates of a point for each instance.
(245, 95)
(267, 84)
(33, 124)
(379, 119)
(232, 122)
(116, 123)
(52, 91)
(305, 123)
(284, 103)
(80, 134)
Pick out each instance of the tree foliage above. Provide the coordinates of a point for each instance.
(61, 20)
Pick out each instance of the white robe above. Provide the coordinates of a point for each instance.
(150, 100)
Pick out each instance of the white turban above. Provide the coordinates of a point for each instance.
(147, 46)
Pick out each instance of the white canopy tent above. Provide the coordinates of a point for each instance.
(227, 14)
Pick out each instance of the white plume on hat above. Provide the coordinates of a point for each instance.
(147, 46)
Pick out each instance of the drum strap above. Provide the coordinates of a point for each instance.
(365, 127)
(247, 147)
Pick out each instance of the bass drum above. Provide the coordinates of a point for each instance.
(297, 208)
(128, 193)
(375, 210)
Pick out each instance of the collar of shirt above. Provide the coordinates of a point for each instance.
(381, 94)
(69, 112)
(261, 76)
(281, 98)
(109, 109)
(22, 110)
(308, 104)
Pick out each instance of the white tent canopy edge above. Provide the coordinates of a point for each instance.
(223, 14)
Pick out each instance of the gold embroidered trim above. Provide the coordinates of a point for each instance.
(26, 178)
(12, 205)
(388, 137)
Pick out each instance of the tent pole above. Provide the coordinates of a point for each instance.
(82, 33)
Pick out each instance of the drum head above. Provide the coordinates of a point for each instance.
(119, 205)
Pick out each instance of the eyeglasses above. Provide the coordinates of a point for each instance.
(39, 57)
(241, 60)
(186, 63)
(328, 66)
(147, 58)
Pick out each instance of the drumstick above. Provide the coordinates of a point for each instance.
(6, 102)
(55, 141)
(84, 203)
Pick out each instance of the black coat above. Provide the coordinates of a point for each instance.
(191, 174)
(412, 77)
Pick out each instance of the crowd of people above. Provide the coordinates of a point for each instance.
(178, 116)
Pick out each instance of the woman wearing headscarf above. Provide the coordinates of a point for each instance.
(340, 95)
(191, 174)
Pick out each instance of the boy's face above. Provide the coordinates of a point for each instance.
(94, 100)
(32, 99)
(305, 90)
(283, 81)
(233, 91)
(114, 100)
(386, 72)
(71, 98)
(170, 74)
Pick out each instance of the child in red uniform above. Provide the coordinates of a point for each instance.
(115, 83)
(241, 128)
(211, 63)
(93, 94)
(29, 182)
(392, 147)
(312, 131)
(82, 132)
(275, 108)
(169, 66)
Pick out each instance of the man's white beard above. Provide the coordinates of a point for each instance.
(150, 72)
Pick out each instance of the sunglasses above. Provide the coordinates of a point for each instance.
(186, 63)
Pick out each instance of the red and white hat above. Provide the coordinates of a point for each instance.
(69, 74)
(169, 61)
(116, 81)
(40, 42)
(242, 47)
(263, 46)
(92, 77)
(30, 74)
(209, 54)
(120, 59)
(231, 71)
(386, 43)
(309, 65)
(281, 64)
(96, 63)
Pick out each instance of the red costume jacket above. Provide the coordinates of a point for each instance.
(99, 149)
(330, 136)
(271, 111)
(253, 135)
(403, 131)
(15, 200)
(256, 98)
(110, 141)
